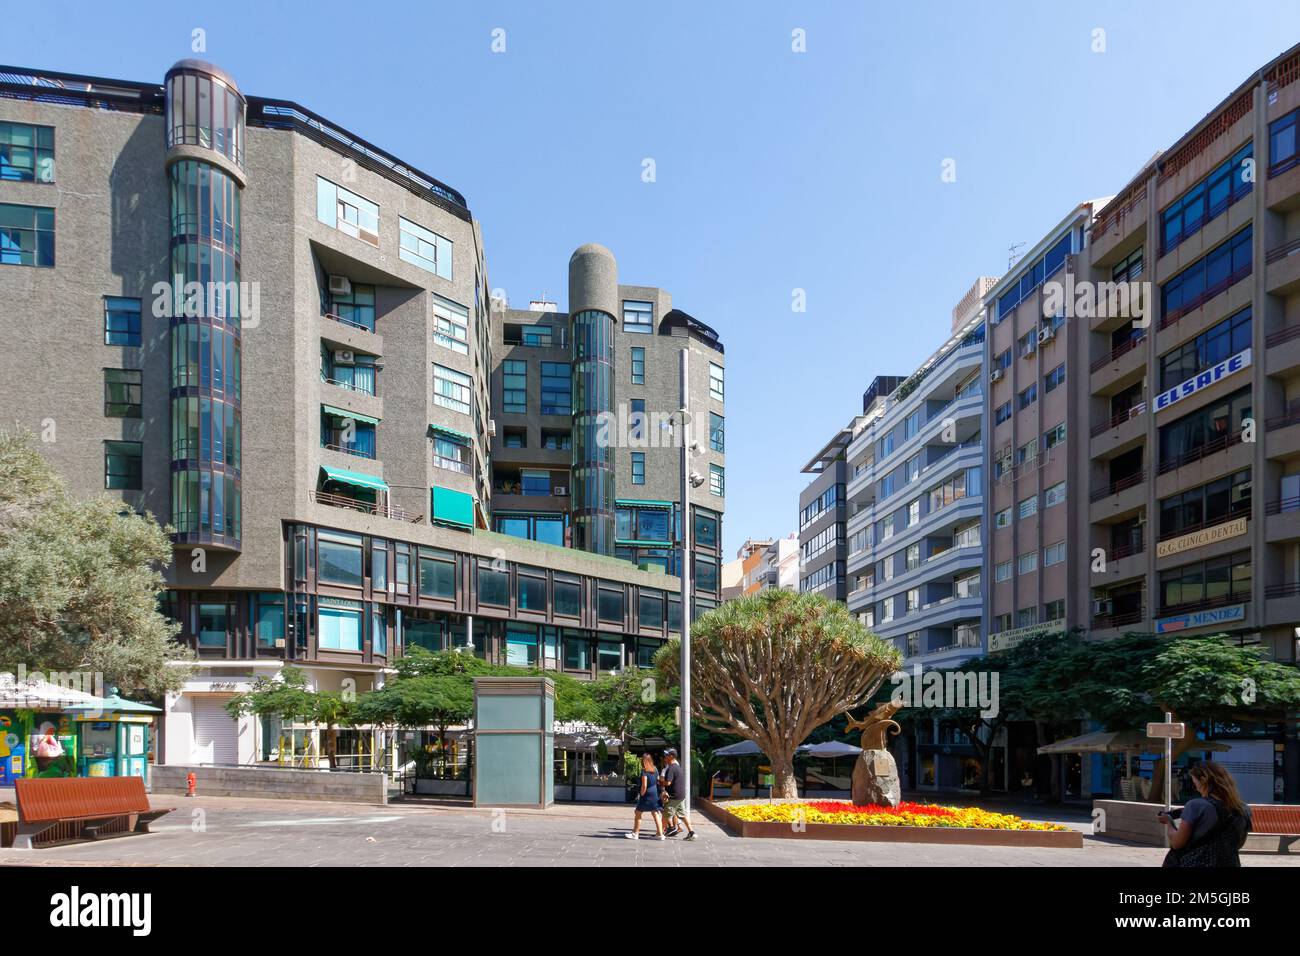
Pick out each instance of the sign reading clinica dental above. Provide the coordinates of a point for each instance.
(1214, 373)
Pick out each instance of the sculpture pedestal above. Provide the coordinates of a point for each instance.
(875, 780)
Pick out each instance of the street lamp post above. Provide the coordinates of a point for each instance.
(686, 579)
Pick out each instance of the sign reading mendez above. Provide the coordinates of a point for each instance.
(1205, 379)
(1219, 615)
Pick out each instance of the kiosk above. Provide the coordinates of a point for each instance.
(114, 736)
(514, 741)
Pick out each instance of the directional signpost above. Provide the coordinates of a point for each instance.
(1170, 731)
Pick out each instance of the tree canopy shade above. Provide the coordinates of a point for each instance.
(79, 580)
(773, 666)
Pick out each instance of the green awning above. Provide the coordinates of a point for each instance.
(344, 413)
(454, 507)
(451, 432)
(354, 478)
(643, 503)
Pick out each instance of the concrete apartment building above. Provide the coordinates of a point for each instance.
(823, 514)
(916, 501)
(1030, 573)
(766, 563)
(327, 515)
(1194, 448)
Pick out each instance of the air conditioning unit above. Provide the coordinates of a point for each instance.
(492, 428)
(345, 357)
(560, 491)
(996, 375)
(340, 285)
(1103, 606)
(1046, 334)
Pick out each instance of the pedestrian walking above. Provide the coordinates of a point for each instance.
(1211, 828)
(648, 799)
(673, 784)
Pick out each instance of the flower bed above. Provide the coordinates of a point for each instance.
(906, 823)
(903, 815)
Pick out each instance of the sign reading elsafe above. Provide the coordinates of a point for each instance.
(1174, 731)
(1205, 379)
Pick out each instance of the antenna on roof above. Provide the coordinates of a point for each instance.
(1013, 253)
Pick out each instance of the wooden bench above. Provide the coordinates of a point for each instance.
(1276, 820)
(58, 809)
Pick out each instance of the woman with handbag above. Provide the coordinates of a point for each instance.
(1212, 827)
(648, 799)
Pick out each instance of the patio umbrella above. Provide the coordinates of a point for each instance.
(114, 704)
(746, 748)
(830, 748)
(1118, 741)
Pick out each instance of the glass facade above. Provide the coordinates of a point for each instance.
(205, 311)
(593, 451)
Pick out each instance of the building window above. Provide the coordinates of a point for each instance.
(212, 625)
(912, 557)
(1054, 437)
(638, 365)
(650, 610)
(1027, 452)
(514, 386)
(1207, 277)
(341, 431)
(638, 316)
(122, 392)
(339, 624)
(1028, 507)
(1028, 396)
(347, 212)
(1002, 361)
(911, 424)
(437, 570)
(1054, 495)
(121, 321)
(1034, 276)
(1027, 563)
(26, 153)
(716, 384)
(268, 619)
(26, 235)
(1207, 350)
(568, 596)
(1027, 617)
(706, 573)
(1282, 151)
(1054, 378)
(717, 480)
(1203, 431)
(1210, 504)
(420, 247)
(1028, 343)
(913, 600)
(913, 512)
(556, 440)
(1213, 583)
(1002, 519)
(122, 465)
(450, 325)
(493, 586)
(1053, 554)
(609, 605)
(532, 590)
(534, 482)
(1002, 414)
(636, 418)
(451, 389)
(514, 438)
(450, 453)
(1002, 572)
(557, 389)
(638, 468)
(1207, 199)
(717, 437)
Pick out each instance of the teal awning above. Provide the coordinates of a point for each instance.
(452, 433)
(454, 507)
(354, 478)
(643, 503)
(344, 413)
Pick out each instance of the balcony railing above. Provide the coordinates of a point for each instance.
(1206, 604)
(1289, 417)
(1282, 590)
(1118, 419)
(1118, 619)
(1211, 447)
(1209, 293)
(1123, 348)
(1282, 251)
(1283, 505)
(365, 507)
(1111, 218)
(350, 386)
(1127, 550)
(1118, 485)
(350, 323)
(1282, 336)
(352, 450)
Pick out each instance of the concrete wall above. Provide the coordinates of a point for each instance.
(273, 783)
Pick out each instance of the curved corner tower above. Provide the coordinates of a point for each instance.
(593, 304)
(205, 169)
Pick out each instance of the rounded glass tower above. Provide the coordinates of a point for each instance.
(593, 303)
(205, 156)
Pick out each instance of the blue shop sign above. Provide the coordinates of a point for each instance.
(1219, 615)
(1205, 379)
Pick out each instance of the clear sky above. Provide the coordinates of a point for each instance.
(775, 170)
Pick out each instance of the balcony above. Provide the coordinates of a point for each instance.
(1282, 604)
(1210, 292)
(1104, 622)
(1282, 520)
(1281, 437)
(385, 510)
(1282, 350)
(1283, 265)
(333, 441)
(1114, 354)
(1118, 485)
(1119, 432)
(1211, 447)
(1122, 217)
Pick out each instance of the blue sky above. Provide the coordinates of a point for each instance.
(775, 170)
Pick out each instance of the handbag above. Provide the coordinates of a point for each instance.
(1217, 848)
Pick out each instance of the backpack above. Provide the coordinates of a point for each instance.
(1217, 848)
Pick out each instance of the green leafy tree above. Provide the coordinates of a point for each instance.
(441, 701)
(79, 580)
(773, 666)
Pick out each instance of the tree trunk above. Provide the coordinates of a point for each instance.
(784, 784)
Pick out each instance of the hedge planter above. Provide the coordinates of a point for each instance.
(892, 833)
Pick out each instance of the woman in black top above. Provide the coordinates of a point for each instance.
(648, 799)
(1212, 827)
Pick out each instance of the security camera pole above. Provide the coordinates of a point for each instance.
(686, 571)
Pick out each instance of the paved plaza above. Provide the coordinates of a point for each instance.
(227, 831)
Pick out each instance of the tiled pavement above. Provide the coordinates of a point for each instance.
(219, 831)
